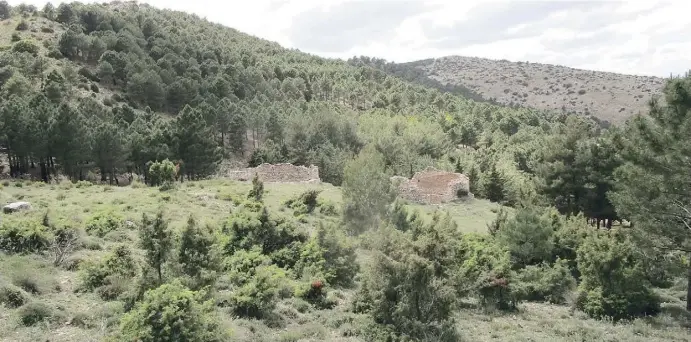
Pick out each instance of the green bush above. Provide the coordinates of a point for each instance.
(12, 296)
(305, 203)
(83, 184)
(26, 46)
(257, 296)
(161, 173)
(83, 71)
(55, 53)
(568, 238)
(23, 236)
(528, 236)
(15, 37)
(277, 237)
(328, 208)
(33, 313)
(118, 264)
(545, 282)
(29, 282)
(331, 255)
(171, 313)
(485, 272)
(613, 283)
(22, 26)
(405, 290)
(103, 223)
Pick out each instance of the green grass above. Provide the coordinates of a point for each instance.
(85, 317)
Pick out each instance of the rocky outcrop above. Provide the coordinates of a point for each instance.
(278, 173)
(16, 206)
(433, 186)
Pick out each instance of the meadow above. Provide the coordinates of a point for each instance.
(84, 316)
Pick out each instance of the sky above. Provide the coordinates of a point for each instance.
(644, 37)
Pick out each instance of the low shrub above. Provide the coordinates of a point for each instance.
(26, 46)
(33, 313)
(119, 263)
(328, 208)
(161, 173)
(83, 71)
(485, 272)
(305, 203)
(103, 223)
(23, 236)
(258, 295)
(545, 282)
(12, 296)
(55, 53)
(83, 184)
(171, 312)
(613, 283)
(22, 26)
(29, 282)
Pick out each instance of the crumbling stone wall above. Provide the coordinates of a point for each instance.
(278, 173)
(433, 186)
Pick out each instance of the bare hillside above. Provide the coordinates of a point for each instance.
(607, 96)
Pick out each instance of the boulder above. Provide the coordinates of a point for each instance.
(16, 206)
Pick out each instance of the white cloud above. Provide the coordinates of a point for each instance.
(635, 37)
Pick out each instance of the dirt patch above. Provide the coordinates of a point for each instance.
(278, 173)
(433, 186)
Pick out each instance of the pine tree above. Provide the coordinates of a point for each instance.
(257, 191)
(494, 186)
(70, 140)
(108, 149)
(653, 187)
(5, 10)
(198, 255)
(196, 145)
(157, 241)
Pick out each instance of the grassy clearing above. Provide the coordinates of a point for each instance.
(75, 316)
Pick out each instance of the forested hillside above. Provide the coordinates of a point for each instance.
(114, 87)
(584, 215)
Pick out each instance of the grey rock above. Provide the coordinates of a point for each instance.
(16, 206)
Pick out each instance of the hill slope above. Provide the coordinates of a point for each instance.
(607, 96)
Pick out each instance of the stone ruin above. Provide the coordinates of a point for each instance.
(433, 186)
(278, 173)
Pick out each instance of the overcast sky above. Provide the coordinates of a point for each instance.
(643, 37)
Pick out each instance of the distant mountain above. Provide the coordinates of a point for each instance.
(604, 95)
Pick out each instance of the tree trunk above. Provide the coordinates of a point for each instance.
(688, 287)
(44, 171)
(609, 223)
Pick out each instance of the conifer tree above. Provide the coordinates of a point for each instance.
(653, 186)
(157, 241)
(196, 145)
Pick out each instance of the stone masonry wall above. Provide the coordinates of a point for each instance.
(278, 173)
(433, 186)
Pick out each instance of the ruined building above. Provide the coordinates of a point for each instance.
(433, 186)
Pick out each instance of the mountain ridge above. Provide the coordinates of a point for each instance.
(608, 96)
